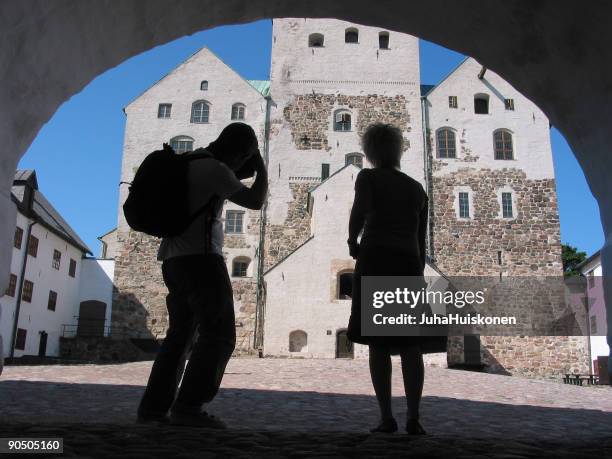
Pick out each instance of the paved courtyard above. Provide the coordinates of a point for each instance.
(280, 407)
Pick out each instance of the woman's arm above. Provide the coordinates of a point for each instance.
(423, 229)
(361, 204)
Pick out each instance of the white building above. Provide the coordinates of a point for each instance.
(52, 282)
(591, 269)
(479, 147)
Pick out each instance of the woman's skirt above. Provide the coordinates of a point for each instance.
(387, 261)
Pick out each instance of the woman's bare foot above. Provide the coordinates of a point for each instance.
(386, 426)
(414, 428)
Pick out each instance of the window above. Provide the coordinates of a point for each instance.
(506, 205)
(18, 238)
(200, 112)
(503, 144)
(204, 85)
(181, 144)
(509, 103)
(342, 121)
(315, 40)
(57, 259)
(345, 285)
(238, 111)
(72, 268)
(298, 341)
(240, 267)
(354, 158)
(593, 325)
(452, 102)
(481, 104)
(464, 205)
(383, 40)
(28, 290)
(233, 221)
(12, 286)
(351, 35)
(33, 246)
(324, 171)
(163, 111)
(20, 339)
(446, 143)
(52, 300)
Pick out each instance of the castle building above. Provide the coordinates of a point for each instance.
(481, 150)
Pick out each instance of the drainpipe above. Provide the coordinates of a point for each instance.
(260, 301)
(24, 264)
(428, 176)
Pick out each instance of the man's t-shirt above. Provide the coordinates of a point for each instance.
(207, 178)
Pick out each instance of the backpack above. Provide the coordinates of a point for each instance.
(158, 202)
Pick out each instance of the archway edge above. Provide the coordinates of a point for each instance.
(555, 53)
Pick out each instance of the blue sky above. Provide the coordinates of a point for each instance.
(77, 154)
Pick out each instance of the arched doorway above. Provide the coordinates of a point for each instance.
(344, 347)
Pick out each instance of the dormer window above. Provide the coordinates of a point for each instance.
(351, 35)
(354, 158)
(315, 40)
(481, 104)
(342, 120)
(204, 85)
(383, 40)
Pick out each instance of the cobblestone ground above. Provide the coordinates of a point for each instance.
(302, 408)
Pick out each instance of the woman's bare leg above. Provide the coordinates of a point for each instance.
(380, 371)
(413, 371)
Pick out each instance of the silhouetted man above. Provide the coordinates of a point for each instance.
(200, 292)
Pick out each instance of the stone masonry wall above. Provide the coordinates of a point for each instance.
(284, 238)
(308, 116)
(530, 245)
(139, 296)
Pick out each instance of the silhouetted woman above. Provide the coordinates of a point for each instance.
(391, 208)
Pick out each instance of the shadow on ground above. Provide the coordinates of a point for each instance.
(98, 420)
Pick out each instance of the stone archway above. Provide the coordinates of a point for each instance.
(556, 53)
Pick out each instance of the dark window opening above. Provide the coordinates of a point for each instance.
(503, 145)
(20, 340)
(351, 35)
(452, 102)
(324, 171)
(12, 286)
(52, 300)
(315, 40)
(240, 267)
(57, 259)
(238, 111)
(509, 103)
(446, 143)
(507, 205)
(28, 291)
(481, 105)
(204, 85)
(33, 246)
(72, 268)
(383, 40)
(18, 238)
(345, 286)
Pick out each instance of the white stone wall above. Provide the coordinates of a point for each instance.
(34, 316)
(354, 69)
(474, 132)
(301, 291)
(97, 284)
(145, 132)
